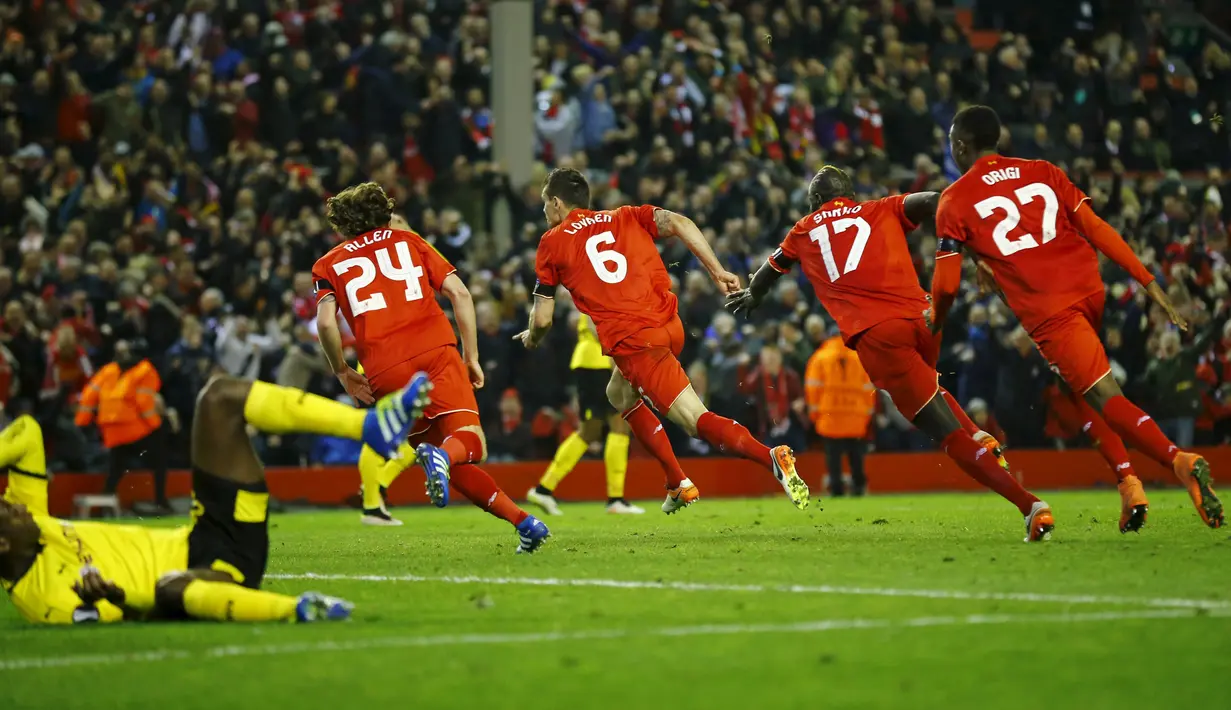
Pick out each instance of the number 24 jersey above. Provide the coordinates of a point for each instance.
(1014, 215)
(609, 264)
(386, 282)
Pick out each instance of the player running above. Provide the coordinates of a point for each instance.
(384, 279)
(591, 373)
(1025, 221)
(856, 256)
(68, 572)
(608, 262)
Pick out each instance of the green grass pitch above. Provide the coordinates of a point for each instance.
(884, 602)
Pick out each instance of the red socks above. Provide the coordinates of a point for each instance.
(463, 447)
(1135, 425)
(1108, 444)
(649, 431)
(962, 418)
(475, 484)
(981, 465)
(731, 437)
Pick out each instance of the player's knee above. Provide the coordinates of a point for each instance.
(169, 593)
(620, 395)
(223, 395)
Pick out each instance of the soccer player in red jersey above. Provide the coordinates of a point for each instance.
(385, 280)
(855, 255)
(609, 263)
(1034, 233)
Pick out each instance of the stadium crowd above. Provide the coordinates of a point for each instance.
(164, 165)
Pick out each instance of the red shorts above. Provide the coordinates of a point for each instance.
(900, 357)
(453, 404)
(648, 360)
(1070, 342)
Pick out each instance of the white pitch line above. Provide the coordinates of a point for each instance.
(790, 588)
(168, 654)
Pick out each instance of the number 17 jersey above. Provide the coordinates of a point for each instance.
(386, 282)
(609, 264)
(856, 256)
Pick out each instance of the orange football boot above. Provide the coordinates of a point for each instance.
(1194, 473)
(682, 497)
(1133, 504)
(993, 447)
(1039, 523)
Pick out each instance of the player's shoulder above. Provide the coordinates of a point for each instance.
(332, 255)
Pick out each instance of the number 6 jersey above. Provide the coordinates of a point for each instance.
(856, 256)
(609, 263)
(386, 282)
(1015, 215)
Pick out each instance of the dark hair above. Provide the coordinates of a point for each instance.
(829, 183)
(359, 209)
(978, 126)
(569, 185)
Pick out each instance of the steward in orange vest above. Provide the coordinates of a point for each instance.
(125, 402)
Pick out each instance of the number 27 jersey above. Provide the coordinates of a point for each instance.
(386, 282)
(1014, 215)
(857, 258)
(609, 264)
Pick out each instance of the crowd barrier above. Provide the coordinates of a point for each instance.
(717, 478)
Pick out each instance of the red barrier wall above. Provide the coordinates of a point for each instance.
(717, 478)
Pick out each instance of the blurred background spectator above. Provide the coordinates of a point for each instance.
(163, 170)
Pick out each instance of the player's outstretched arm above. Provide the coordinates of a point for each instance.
(748, 299)
(921, 206)
(463, 311)
(1105, 238)
(330, 335)
(673, 224)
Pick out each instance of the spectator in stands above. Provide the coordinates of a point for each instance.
(124, 400)
(777, 396)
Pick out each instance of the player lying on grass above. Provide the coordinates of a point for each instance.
(384, 279)
(856, 256)
(61, 572)
(608, 262)
(1034, 231)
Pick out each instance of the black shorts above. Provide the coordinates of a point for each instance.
(230, 528)
(592, 393)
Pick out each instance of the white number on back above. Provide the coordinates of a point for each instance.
(405, 271)
(1012, 216)
(820, 235)
(601, 260)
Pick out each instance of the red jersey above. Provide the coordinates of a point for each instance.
(385, 282)
(610, 265)
(1016, 215)
(856, 256)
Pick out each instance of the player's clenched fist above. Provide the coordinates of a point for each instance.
(476, 373)
(728, 283)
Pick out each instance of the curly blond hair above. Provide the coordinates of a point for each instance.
(359, 209)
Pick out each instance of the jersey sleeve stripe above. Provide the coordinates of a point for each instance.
(1084, 199)
(542, 290)
(945, 254)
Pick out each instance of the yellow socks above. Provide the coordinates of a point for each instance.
(370, 464)
(615, 458)
(570, 452)
(223, 601)
(21, 453)
(283, 410)
(393, 468)
(376, 473)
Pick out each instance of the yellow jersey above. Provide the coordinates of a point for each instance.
(589, 353)
(132, 557)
